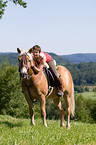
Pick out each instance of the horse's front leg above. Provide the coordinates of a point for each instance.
(29, 101)
(43, 111)
(31, 111)
(57, 103)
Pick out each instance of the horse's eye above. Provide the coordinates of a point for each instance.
(19, 58)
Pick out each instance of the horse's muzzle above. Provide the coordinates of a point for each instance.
(23, 73)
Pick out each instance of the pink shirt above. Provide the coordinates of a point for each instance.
(48, 57)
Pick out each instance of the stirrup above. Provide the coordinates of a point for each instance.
(60, 94)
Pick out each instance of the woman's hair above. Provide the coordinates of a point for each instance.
(36, 47)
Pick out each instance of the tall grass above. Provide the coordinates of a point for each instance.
(19, 132)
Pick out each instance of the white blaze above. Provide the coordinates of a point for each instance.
(24, 70)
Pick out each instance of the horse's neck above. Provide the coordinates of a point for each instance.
(35, 63)
(35, 77)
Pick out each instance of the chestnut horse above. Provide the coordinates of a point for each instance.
(35, 87)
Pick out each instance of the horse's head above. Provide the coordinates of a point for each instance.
(25, 58)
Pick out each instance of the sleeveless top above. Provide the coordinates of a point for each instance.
(46, 56)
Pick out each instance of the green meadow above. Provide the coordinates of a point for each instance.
(19, 132)
(89, 95)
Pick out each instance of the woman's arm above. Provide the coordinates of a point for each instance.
(40, 66)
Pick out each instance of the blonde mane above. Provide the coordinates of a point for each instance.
(24, 52)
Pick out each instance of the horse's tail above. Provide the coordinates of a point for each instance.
(72, 101)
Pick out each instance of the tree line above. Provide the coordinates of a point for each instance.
(83, 73)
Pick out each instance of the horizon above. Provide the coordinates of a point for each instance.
(49, 52)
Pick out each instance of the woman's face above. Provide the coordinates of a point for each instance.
(36, 53)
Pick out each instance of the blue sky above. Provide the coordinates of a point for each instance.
(59, 26)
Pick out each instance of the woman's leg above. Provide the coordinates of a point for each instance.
(59, 81)
(52, 65)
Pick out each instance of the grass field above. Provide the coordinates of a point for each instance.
(87, 95)
(19, 132)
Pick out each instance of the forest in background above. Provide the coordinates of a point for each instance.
(72, 58)
(81, 57)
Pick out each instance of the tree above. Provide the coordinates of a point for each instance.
(12, 100)
(3, 4)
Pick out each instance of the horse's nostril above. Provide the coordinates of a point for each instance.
(23, 75)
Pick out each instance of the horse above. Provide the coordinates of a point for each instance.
(35, 87)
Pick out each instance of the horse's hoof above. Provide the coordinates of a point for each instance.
(68, 127)
(33, 124)
(63, 125)
(45, 125)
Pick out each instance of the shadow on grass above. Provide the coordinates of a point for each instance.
(10, 124)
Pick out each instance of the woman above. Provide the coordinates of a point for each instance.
(40, 59)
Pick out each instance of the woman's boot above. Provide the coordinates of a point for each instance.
(60, 87)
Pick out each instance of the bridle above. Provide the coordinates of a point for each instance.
(24, 62)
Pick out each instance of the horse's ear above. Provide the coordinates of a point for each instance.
(30, 50)
(18, 50)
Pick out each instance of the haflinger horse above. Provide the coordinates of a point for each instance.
(35, 87)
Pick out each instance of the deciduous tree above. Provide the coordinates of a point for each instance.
(3, 4)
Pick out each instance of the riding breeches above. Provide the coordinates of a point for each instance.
(52, 65)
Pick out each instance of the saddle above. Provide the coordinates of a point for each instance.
(50, 77)
(53, 81)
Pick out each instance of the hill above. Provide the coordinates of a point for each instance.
(12, 58)
(81, 57)
(59, 59)
(9, 57)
